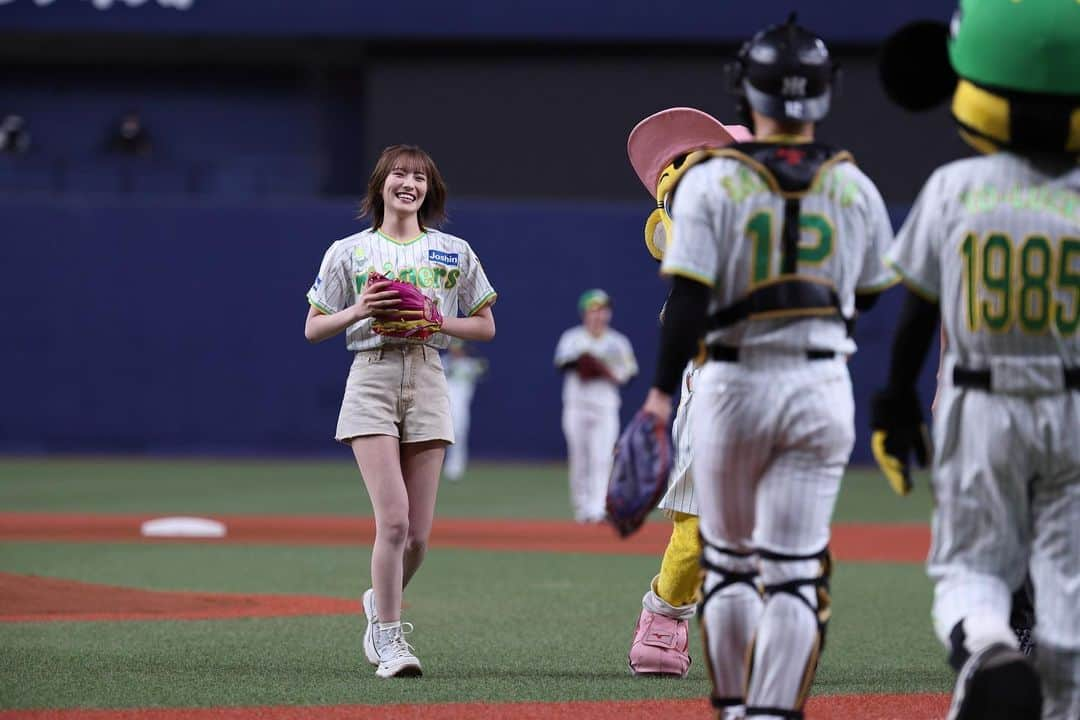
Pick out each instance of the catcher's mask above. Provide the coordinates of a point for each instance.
(662, 147)
(783, 72)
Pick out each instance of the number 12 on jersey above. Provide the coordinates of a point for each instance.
(1005, 283)
(760, 229)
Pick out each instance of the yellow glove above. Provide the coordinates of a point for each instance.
(899, 431)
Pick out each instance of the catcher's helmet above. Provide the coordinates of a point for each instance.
(785, 72)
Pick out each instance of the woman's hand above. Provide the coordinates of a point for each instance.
(375, 300)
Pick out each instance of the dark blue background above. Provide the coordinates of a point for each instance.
(619, 20)
(175, 325)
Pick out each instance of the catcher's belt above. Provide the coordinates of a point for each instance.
(728, 353)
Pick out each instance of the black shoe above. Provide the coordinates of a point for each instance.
(998, 683)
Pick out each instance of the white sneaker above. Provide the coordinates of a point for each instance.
(396, 658)
(369, 632)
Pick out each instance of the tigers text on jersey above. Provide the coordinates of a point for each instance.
(443, 266)
(727, 227)
(996, 241)
(612, 348)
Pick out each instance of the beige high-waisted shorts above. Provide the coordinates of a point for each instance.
(397, 390)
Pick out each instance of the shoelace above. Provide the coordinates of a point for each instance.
(397, 645)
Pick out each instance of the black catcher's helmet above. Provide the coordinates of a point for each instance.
(785, 72)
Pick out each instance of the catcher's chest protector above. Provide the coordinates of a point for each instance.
(791, 171)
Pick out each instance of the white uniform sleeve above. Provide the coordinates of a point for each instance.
(568, 348)
(331, 291)
(625, 366)
(474, 289)
(914, 255)
(875, 275)
(693, 251)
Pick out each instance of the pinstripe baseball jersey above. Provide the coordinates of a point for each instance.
(612, 348)
(996, 241)
(727, 227)
(444, 267)
(680, 493)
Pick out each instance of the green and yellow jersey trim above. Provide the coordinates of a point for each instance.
(486, 300)
(689, 275)
(880, 287)
(320, 307)
(912, 284)
(384, 236)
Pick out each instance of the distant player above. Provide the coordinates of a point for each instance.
(462, 373)
(772, 241)
(661, 147)
(395, 414)
(595, 360)
(992, 249)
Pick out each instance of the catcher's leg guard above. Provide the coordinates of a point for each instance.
(791, 633)
(729, 610)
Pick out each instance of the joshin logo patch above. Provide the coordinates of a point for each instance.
(444, 258)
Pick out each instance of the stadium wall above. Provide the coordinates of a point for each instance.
(176, 326)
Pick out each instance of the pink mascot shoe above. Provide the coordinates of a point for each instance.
(660, 646)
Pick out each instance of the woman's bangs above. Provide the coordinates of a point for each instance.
(411, 161)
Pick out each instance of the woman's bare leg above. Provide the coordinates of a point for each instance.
(379, 459)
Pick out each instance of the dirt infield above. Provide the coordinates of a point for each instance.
(850, 542)
(29, 598)
(838, 707)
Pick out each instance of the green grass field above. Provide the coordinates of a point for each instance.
(490, 625)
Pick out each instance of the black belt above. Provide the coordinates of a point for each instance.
(980, 379)
(727, 353)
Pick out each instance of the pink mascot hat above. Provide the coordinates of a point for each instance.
(658, 139)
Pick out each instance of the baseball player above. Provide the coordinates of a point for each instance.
(777, 242)
(395, 414)
(462, 373)
(659, 147)
(595, 361)
(992, 248)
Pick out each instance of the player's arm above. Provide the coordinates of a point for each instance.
(896, 417)
(374, 300)
(895, 411)
(685, 318)
(479, 326)
(866, 301)
(914, 333)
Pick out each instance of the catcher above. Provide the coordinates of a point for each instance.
(395, 289)
(661, 148)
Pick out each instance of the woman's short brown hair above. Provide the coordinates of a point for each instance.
(411, 159)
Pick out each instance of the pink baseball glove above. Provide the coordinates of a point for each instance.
(416, 316)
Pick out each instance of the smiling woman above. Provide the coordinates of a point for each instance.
(396, 411)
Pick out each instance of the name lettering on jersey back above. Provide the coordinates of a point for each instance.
(746, 182)
(1064, 203)
(425, 276)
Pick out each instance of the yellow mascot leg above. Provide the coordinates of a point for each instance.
(680, 571)
(660, 644)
